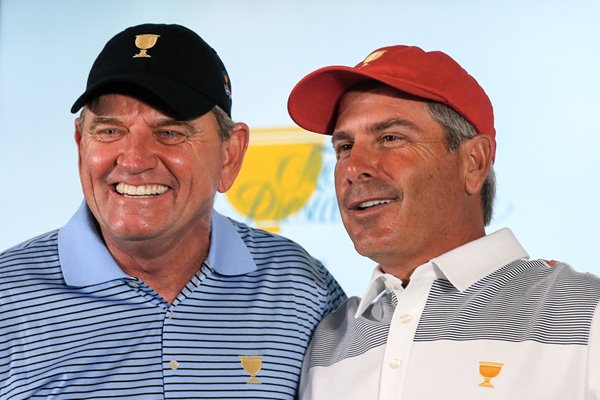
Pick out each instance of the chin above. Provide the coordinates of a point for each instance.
(368, 248)
(134, 231)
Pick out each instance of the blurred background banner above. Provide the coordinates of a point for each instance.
(537, 60)
(281, 172)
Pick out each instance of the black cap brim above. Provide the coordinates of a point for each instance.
(174, 98)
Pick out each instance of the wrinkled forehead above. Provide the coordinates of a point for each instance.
(381, 109)
(118, 108)
(112, 102)
(378, 94)
(117, 102)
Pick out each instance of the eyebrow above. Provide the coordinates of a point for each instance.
(339, 136)
(383, 125)
(378, 127)
(175, 122)
(99, 120)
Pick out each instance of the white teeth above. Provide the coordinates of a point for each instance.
(143, 190)
(372, 203)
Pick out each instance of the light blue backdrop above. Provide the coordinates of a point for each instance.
(538, 61)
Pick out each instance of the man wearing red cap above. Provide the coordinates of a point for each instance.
(451, 312)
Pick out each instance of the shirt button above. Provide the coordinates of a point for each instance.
(134, 284)
(395, 363)
(405, 318)
(173, 364)
(169, 314)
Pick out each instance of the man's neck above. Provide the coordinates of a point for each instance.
(165, 267)
(404, 270)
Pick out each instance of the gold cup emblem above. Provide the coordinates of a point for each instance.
(489, 370)
(252, 365)
(372, 57)
(145, 42)
(281, 171)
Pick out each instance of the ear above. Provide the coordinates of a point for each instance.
(234, 150)
(78, 134)
(478, 152)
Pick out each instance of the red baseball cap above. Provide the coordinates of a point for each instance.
(430, 75)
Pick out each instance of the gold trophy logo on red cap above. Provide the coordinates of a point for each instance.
(372, 57)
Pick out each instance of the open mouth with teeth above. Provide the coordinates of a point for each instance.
(372, 203)
(142, 191)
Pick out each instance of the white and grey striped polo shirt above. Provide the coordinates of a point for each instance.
(74, 326)
(479, 322)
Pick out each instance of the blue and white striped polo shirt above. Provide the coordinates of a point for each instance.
(74, 326)
(479, 322)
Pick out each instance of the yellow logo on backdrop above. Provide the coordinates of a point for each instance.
(279, 175)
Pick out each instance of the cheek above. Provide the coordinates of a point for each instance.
(203, 168)
(437, 187)
(93, 158)
(338, 177)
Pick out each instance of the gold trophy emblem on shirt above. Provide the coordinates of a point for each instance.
(145, 42)
(489, 370)
(252, 365)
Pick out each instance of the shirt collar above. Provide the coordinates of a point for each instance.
(475, 260)
(380, 282)
(228, 253)
(462, 266)
(85, 259)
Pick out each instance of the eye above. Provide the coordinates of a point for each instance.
(392, 139)
(389, 138)
(342, 148)
(107, 134)
(168, 136)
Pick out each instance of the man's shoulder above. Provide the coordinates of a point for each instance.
(576, 287)
(280, 258)
(264, 243)
(35, 257)
(39, 246)
(342, 335)
(559, 276)
(341, 317)
(526, 300)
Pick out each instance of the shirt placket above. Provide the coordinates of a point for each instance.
(403, 326)
(175, 358)
(169, 363)
(172, 361)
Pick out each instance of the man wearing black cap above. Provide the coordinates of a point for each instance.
(147, 292)
(451, 313)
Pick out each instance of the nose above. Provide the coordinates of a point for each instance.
(360, 164)
(138, 153)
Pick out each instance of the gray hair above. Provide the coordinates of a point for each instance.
(224, 121)
(459, 130)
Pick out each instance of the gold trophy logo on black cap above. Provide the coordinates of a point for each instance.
(145, 42)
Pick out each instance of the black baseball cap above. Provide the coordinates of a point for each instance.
(167, 66)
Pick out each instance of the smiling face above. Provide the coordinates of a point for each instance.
(148, 176)
(402, 195)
